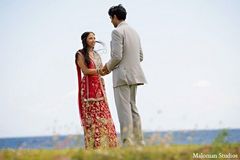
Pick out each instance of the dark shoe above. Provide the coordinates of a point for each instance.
(127, 143)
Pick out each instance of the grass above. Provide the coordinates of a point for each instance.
(160, 152)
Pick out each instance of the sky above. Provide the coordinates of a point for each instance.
(191, 62)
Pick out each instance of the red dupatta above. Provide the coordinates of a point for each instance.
(79, 82)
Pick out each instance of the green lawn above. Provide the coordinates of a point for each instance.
(162, 152)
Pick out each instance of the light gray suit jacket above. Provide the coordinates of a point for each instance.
(126, 55)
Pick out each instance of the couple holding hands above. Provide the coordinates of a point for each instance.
(126, 55)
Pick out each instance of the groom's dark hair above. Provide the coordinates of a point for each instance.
(119, 11)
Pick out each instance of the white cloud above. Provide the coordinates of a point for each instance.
(202, 84)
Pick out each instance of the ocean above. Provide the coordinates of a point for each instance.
(152, 138)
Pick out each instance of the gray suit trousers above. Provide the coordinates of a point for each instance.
(129, 118)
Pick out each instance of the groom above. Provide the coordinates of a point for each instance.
(126, 55)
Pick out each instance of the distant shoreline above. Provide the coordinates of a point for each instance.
(157, 131)
(204, 137)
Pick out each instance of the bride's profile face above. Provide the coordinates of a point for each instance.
(91, 40)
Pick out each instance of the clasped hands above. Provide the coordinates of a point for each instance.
(104, 71)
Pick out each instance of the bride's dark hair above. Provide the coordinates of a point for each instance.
(85, 50)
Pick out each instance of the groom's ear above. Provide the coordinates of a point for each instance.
(114, 17)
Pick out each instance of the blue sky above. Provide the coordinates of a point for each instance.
(191, 61)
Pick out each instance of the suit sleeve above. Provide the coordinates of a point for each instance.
(116, 50)
(141, 53)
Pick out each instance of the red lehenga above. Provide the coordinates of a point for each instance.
(99, 130)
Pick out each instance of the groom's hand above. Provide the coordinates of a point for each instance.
(104, 71)
(101, 72)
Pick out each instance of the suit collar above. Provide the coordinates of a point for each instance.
(122, 23)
